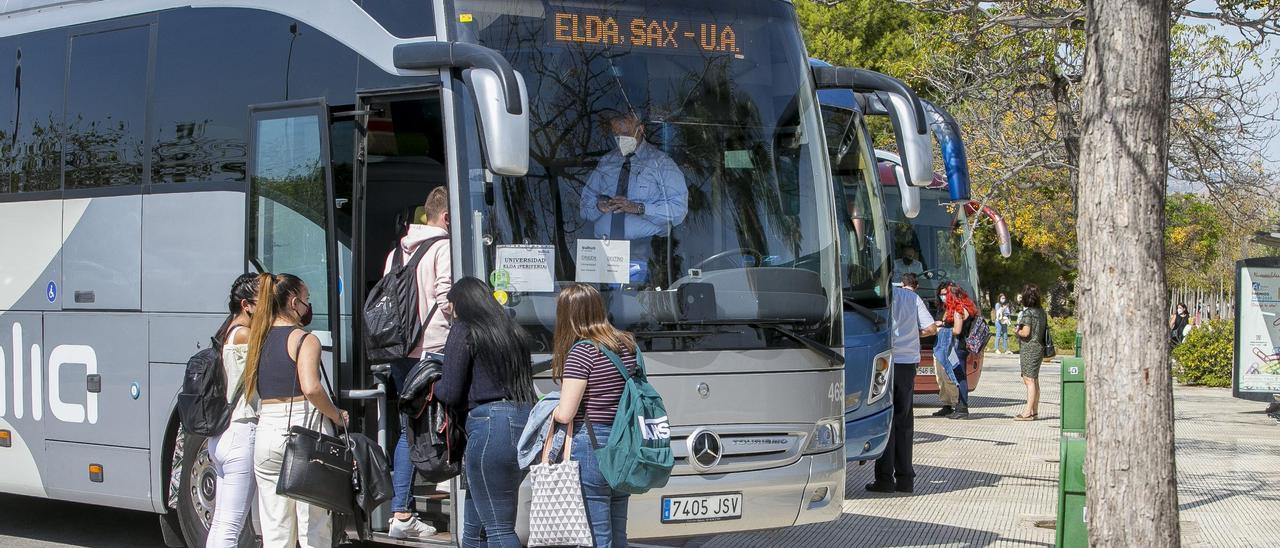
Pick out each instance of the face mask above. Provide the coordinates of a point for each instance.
(942, 298)
(1001, 299)
(305, 317)
(627, 144)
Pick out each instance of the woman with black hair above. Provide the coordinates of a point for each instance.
(489, 374)
(231, 452)
(1032, 324)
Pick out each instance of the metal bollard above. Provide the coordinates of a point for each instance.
(1073, 398)
(1072, 529)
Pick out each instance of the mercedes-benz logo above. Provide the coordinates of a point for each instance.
(704, 450)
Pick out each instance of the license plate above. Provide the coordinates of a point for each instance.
(926, 371)
(694, 508)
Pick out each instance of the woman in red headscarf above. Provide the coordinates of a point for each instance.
(960, 314)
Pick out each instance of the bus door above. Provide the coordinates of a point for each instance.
(290, 224)
(400, 158)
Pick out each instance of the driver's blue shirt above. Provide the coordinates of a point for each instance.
(901, 267)
(655, 181)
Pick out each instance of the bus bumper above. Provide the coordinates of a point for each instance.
(810, 490)
(866, 437)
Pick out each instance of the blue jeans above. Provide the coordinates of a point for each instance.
(606, 508)
(401, 466)
(962, 372)
(493, 476)
(1002, 337)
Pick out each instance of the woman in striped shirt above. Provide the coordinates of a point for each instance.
(590, 389)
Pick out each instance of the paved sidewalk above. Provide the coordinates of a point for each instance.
(986, 481)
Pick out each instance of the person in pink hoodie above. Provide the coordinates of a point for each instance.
(434, 278)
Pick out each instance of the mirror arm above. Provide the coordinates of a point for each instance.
(865, 81)
(436, 55)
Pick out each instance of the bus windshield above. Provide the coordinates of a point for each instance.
(932, 245)
(864, 260)
(676, 164)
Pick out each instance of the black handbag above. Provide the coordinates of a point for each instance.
(318, 468)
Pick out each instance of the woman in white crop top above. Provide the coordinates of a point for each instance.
(231, 452)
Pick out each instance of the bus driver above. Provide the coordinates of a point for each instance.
(636, 193)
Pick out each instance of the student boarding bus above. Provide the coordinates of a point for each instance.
(153, 150)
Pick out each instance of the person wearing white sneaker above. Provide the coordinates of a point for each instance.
(412, 527)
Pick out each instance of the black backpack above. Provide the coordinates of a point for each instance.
(391, 326)
(202, 403)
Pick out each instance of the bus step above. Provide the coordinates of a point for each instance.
(439, 539)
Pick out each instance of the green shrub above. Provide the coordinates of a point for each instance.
(1206, 355)
(1063, 331)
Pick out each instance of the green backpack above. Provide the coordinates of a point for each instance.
(637, 456)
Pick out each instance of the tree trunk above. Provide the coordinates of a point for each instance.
(1132, 490)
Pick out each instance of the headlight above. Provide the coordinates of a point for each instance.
(881, 376)
(828, 435)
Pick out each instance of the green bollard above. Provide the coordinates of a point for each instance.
(1073, 399)
(1072, 528)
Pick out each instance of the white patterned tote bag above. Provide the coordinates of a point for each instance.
(557, 514)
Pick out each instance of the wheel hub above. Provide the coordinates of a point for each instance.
(203, 484)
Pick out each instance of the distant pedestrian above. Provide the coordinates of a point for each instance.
(960, 315)
(1001, 318)
(1179, 323)
(911, 321)
(1032, 324)
(231, 452)
(488, 376)
(591, 387)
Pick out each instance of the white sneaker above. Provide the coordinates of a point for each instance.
(409, 528)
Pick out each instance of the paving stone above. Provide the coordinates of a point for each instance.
(987, 480)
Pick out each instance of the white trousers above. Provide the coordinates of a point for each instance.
(231, 454)
(284, 520)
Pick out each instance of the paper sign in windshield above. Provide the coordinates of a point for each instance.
(604, 261)
(526, 268)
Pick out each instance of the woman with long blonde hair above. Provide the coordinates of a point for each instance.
(591, 387)
(283, 370)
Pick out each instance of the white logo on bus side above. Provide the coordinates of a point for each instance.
(61, 355)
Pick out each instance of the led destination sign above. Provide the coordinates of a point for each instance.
(643, 32)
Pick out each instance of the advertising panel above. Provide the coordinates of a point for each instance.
(1257, 344)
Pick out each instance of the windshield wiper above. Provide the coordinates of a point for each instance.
(864, 312)
(780, 326)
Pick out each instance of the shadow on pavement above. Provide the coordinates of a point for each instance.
(42, 522)
(1225, 486)
(930, 402)
(929, 480)
(857, 531)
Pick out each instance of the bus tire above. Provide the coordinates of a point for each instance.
(197, 491)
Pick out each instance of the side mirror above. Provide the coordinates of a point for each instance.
(910, 195)
(916, 149)
(954, 159)
(890, 166)
(504, 136)
(501, 99)
(900, 103)
(1002, 228)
